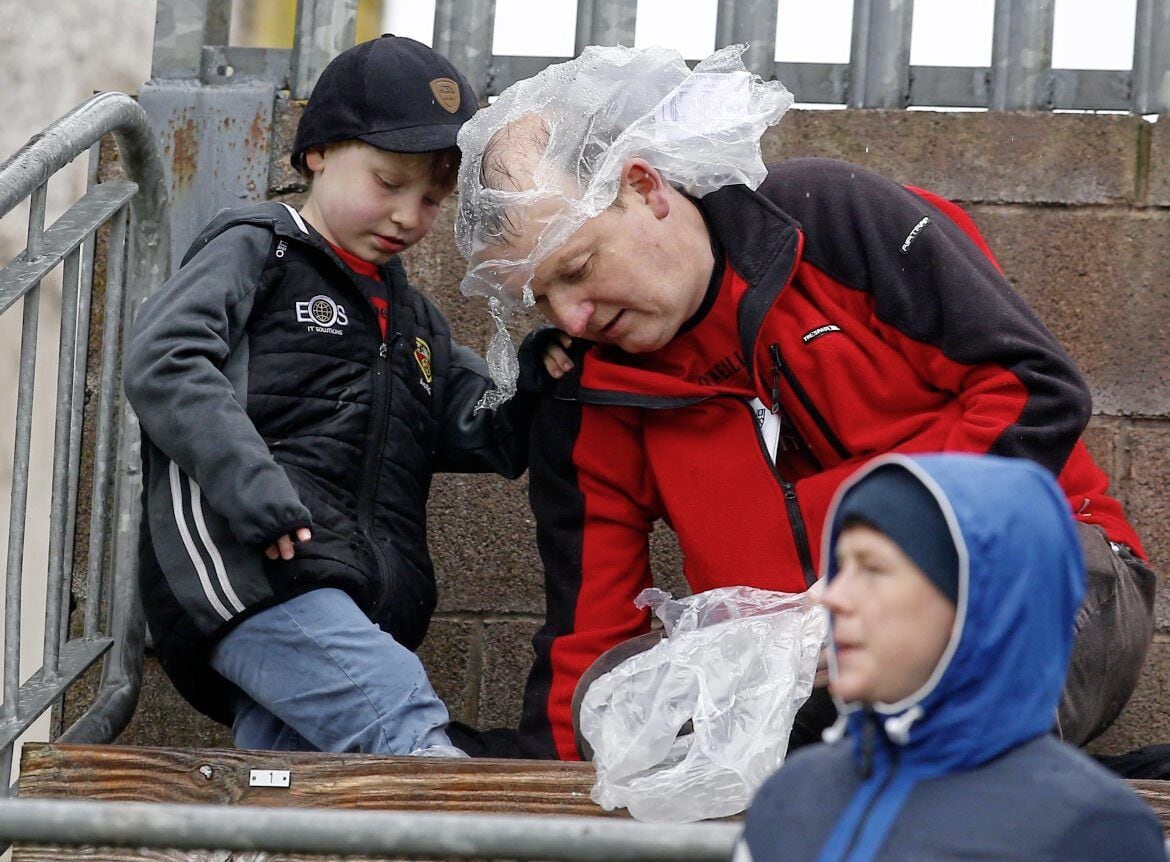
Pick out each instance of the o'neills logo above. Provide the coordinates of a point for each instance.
(446, 94)
(721, 370)
(422, 355)
(323, 313)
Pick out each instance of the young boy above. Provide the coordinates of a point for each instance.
(953, 584)
(296, 394)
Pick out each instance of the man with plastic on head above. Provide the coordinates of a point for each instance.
(744, 338)
(953, 584)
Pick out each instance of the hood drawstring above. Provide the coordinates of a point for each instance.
(898, 726)
(836, 730)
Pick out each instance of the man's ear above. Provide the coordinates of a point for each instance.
(641, 178)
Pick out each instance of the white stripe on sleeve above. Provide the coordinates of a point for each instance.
(212, 550)
(189, 544)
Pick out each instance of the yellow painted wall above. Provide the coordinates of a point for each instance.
(270, 23)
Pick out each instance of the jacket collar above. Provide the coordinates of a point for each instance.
(284, 221)
(762, 244)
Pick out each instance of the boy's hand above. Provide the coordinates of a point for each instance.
(283, 547)
(556, 358)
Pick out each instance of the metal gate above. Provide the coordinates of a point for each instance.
(134, 215)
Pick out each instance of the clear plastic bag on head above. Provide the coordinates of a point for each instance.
(737, 663)
(548, 154)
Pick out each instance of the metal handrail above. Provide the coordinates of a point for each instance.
(136, 211)
(297, 830)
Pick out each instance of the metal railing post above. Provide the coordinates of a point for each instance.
(18, 512)
(463, 34)
(107, 399)
(1021, 55)
(879, 61)
(1151, 58)
(752, 22)
(605, 22)
(181, 29)
(324, 29)
(55, 615)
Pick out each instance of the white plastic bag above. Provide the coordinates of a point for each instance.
(738, 663)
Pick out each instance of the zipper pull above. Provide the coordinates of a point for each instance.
(382, 351)
(775, 351)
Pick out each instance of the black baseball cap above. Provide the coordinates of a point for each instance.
(393, 93)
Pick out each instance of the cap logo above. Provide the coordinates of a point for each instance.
(447, 94)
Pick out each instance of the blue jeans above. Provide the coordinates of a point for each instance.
(317, 675)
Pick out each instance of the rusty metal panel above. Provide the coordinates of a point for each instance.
(213, 142)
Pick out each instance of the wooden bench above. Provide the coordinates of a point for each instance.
(225, 777)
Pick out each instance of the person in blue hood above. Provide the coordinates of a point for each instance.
(953, 582)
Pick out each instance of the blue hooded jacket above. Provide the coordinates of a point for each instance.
(965, 767)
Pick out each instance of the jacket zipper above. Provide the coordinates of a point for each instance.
(889, 777)
(778, 368)
(791, 506)
(369, 485)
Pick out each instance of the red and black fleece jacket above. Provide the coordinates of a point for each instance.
(867, 317)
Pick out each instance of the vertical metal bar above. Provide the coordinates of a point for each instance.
(607, 22)
(463, 34)
(106, 401)
(178, 38)
(20, 465)
(324, 29)
(584, 34)
(71, 271)
(1021, 55)
(725, 16)
(76, 420)
(1151, 58)
(879, 61)
(81, 356)
(217, 27)
(752, 22)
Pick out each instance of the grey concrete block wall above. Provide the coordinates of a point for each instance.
(1077, 210)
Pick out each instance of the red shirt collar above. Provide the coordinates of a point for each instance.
(361, 267)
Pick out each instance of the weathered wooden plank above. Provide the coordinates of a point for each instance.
(1157, 796)
(356, 781)
(220, 776)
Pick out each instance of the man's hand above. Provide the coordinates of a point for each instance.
(815, 595)
(822, 677)
(283, 547)
(556, 358)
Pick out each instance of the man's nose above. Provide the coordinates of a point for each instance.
(569, 313)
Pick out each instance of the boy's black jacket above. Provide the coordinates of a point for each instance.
(269, 401)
